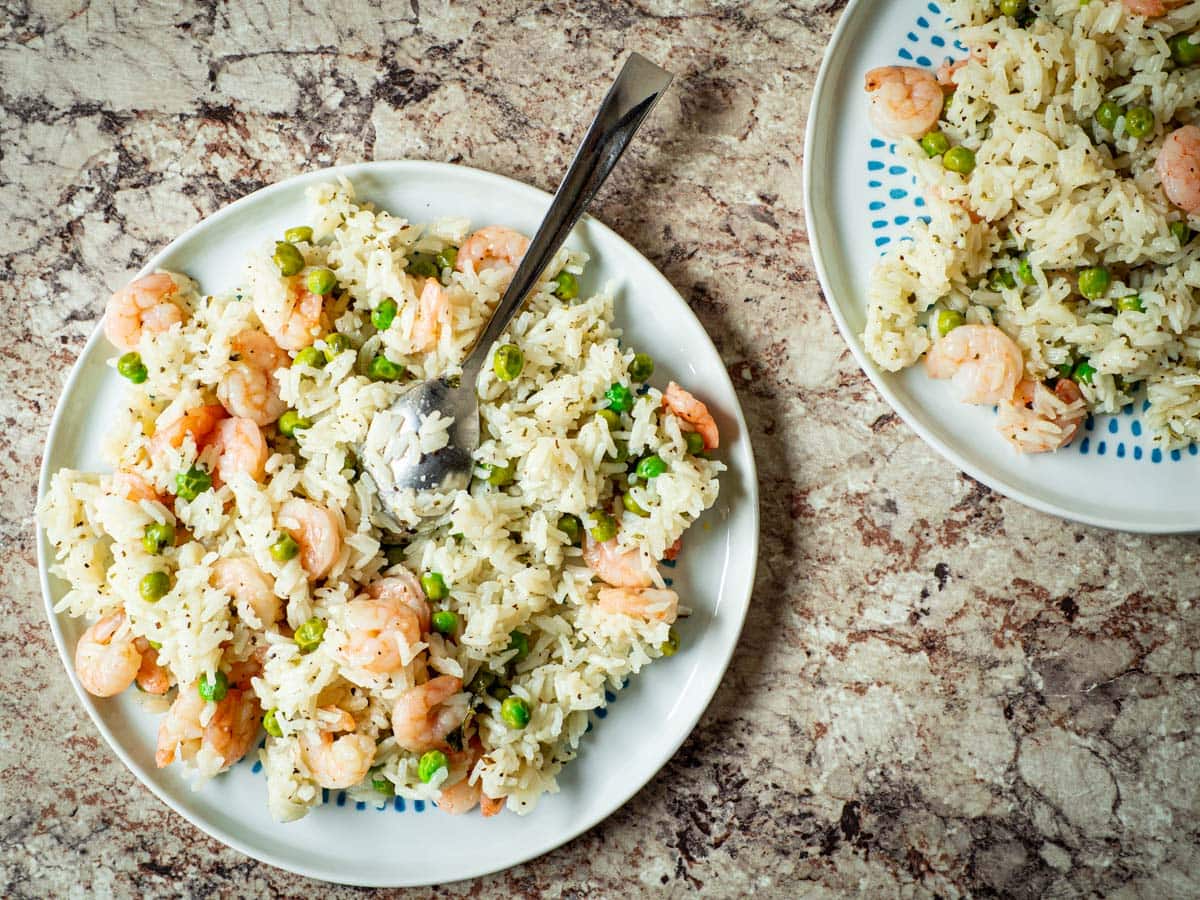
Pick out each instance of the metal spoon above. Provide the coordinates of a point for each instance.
(629, 101)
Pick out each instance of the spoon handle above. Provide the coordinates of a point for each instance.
(625, 107)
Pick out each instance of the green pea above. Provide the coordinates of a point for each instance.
(1064, 370)
(695, 443)
(213, 691)
(499, 476)
(670, 646)
(1013, 8)
(633, 506)
(309, 635)
(1001, 278)
(1183, 50)
(1107, 114)
(431, 763)
(959, 159)
(131, 366)
(157, 536)
(301, 234)
(434, 586)
(1132, 303)
(191, 484)
(946, 320)
(611, 418)
(508, 361)
(384, 314)
(515, 712)
(1181, 232)
(271, 723)
(311, 357)
(650, 467)
(288, 258)
(383, 369)
(445, 621)
(284, 549)
(566, 286)
(518, 641)
(602, 526)
(1025, 272)
(423, 265)
(447, 257)
(947, 101)
(382, 785)
(1083, 372)
(291, 421)
(571, 527)
(335, 345)
(935, 144)
(154, 586)
(321, 281)
(620, 398)
(1094, 282)
(1139, 121)
(641, 367)
(482, 681)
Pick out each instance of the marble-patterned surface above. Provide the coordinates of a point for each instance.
(939, 692)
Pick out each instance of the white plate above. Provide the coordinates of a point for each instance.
(858, 200)
(407, 843)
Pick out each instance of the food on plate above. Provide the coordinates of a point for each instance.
(241, 573)
(1054, 269)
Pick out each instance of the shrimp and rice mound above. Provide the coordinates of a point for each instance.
(1061, 162)
(243, 574)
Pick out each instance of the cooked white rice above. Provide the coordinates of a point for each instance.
(508, 566)
(1052, 185)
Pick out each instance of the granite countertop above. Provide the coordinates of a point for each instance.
(938, 691)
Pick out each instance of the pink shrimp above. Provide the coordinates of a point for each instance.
(946, 72)
(401, 587)
(241, 448)
(423, 715)
(249, 389)
(651, 604)
(375, 629)
(1152, 9)
(144, 306)
(492, 247)
(251, 589)
(296, 320)
(982, 360)
(619, 568)
(903, 101)
(1178, 167)
(229, 733)
(1038, 420)
(460, 796)
(694, 414)
(151, 677)
(132, 486)
(337, 763)
(106, 658)
(198, 422)
(317, 530)
(434, 307)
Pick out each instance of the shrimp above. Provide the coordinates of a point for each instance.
(337, 763)
(984, 362)
(1151, 9)
(144, 306)
(1038, 420)
(434, 306)
(374, 629)
(947, 70)
(252, 591)
(198, 422)
(490, 806)
(317, 530)
(240, 447)
(461, 796)
(249, 389)
(693, 413)
(402, 587)
(1178, 167)
(296, 320)
(422, 717)
(228, 734)
(618, 568)
(672, 552)
(492, 247)
(106, 658)
(904, 101)
(651, 604)
(151, 677)
(132, 487)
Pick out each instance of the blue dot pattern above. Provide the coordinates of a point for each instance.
(893, 204)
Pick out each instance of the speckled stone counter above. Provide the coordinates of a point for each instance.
(938, 692)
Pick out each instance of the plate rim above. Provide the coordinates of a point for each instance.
(880, 379)
(667, 751)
